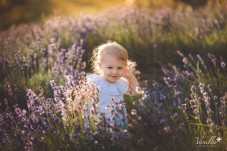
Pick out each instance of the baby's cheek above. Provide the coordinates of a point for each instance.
(125, 72)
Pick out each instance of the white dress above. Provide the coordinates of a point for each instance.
(109, 92)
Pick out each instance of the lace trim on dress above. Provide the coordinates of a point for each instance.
(118, 88)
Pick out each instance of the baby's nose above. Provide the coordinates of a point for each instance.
(115, 71)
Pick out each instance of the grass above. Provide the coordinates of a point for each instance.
(42, 95)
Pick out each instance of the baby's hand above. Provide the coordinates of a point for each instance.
(128, 73)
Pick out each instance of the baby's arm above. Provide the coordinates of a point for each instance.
(133, 88)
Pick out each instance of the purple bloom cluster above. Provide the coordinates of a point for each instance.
(68, 118)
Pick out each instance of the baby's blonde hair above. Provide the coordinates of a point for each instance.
(111, 48)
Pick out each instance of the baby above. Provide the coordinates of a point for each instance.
(113, 77)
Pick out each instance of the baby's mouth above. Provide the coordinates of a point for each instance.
(113, 76)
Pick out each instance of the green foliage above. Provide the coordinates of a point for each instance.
(40, 82)
(158, 120)
(16, 12)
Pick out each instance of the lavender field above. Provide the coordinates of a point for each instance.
(181, 66)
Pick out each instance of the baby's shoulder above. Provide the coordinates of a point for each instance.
(92, 78)
(118, 88)
(123, 81)
(122, 84)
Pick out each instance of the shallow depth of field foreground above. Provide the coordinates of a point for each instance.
(180, 54)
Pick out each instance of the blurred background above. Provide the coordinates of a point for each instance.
(14, 12)
(180, 50)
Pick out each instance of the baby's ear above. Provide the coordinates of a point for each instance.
(127, 65)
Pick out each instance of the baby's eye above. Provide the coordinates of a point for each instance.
(109, 67)
(120, 68)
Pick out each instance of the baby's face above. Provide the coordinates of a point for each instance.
(112, 68)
